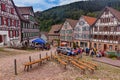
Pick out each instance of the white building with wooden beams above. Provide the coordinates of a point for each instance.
(9, 23)
(106, 30)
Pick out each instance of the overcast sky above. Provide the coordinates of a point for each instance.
(40, 5)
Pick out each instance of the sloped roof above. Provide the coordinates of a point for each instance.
(114, 12)
(55, 28)
(26, 10)
(90, 20)
(72, 22)
(20, 14)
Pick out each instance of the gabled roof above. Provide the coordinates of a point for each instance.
(20, 14)
(72, 22)
(90, 20)
(114, 12)
(26, 10)
(55, 29)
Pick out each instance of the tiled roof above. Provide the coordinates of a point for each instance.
(114, 12)
(20, 14)
(55, 29)
(25, 10)
(72, 22)
(90, 20)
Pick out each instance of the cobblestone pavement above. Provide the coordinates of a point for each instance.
(108, 61)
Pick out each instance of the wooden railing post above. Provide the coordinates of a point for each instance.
(30, 61)
(15, 66)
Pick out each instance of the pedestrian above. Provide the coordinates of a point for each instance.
(80, 52)
(92, 53)
(87, 51)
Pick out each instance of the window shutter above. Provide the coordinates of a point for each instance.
(10, 22)
(2, 20)
(14, 22)
(3, 7)
(13, 33)
(12, 11)
(7, 21)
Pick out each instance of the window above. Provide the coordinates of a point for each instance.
(3, 7)
(10, 34)
(1, 39)
(17, 33)
(12, 10)
(0, 20)
(95, 45)
(81, 23)
(110, 47)
(99, 45)
(8, 22)
(65, 26)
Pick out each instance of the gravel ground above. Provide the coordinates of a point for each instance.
(51, 70)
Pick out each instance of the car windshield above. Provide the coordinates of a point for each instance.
(68, 48)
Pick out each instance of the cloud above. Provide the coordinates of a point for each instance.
(42, 4)
(63, 2)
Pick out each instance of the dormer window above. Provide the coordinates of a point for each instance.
(26, 16)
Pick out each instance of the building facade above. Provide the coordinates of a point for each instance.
(29, 26)
(9, 23)
(82, 31)
(54, 34)
(106, 30)
(66, 33)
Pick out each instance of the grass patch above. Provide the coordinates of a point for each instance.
(2, 49)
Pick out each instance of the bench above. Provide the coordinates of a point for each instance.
(79, 66)
(60, 61)
(93, 64)
(27, 65)
(89, 67)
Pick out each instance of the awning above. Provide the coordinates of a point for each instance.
(63, 43)
(39, 41)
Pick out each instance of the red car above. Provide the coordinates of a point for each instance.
(75, 51)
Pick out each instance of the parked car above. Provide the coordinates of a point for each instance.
(63, 50)
(59, 49)
(66, 50)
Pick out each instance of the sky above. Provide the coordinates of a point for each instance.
(41, 5)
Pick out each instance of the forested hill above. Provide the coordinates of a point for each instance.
(58, 14)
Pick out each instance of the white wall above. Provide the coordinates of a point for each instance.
(6, 34)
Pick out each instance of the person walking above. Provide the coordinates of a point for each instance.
(87, 51)
(92, 53)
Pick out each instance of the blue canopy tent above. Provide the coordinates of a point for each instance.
(39, 41)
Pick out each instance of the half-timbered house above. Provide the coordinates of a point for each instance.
(82, 33)
(66, 33)
(106, 30)
(9, 23)
(29, 26)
